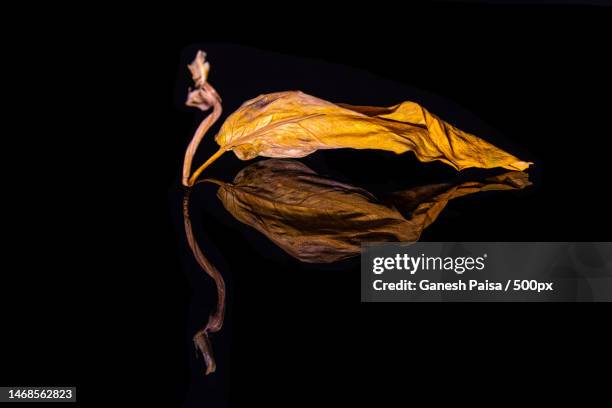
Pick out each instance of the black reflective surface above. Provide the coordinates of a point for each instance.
(285, 316)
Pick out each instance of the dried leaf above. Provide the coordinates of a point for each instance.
(294, 124)
(317, 219)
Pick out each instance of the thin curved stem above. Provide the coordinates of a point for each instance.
(212, 180)
(206, 123)
(200, 169)
(215, 321)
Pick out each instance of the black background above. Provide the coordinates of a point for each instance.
(103, 294)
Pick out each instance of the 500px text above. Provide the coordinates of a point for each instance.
(472, 285)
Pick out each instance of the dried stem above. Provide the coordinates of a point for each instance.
(206, 123)
(215, 320)
(212, 180)
(203, 97)
(208, 162)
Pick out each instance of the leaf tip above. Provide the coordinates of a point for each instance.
(521, 165)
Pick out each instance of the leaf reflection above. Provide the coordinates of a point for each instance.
(317, 219)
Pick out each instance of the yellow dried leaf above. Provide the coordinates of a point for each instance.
(294, 124)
